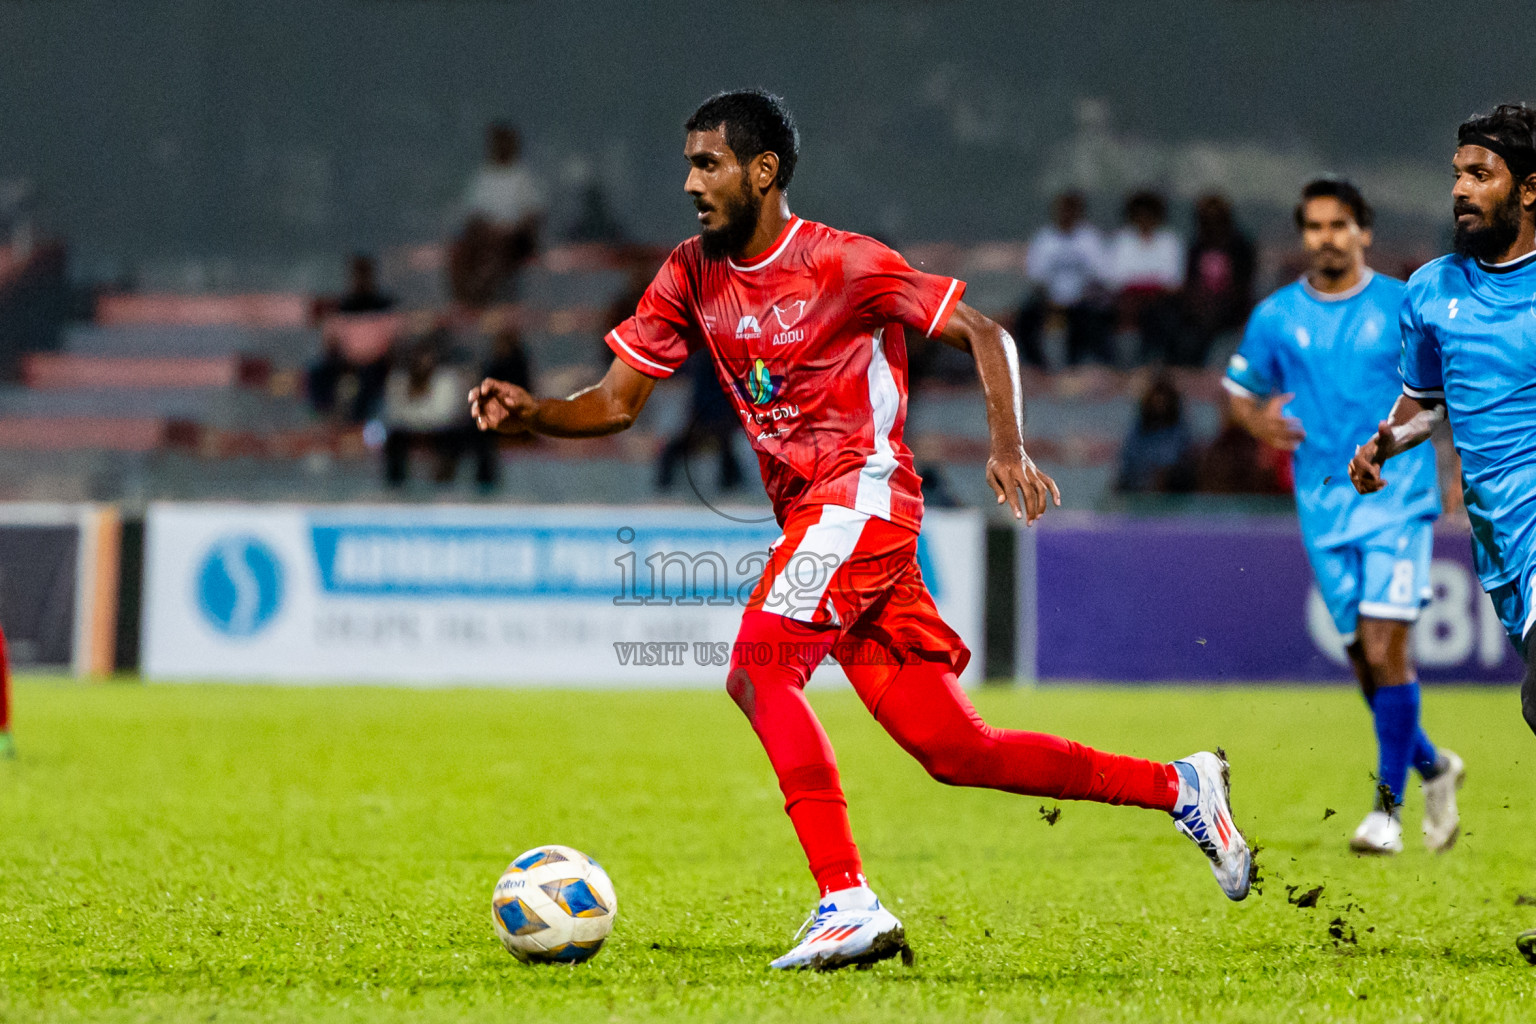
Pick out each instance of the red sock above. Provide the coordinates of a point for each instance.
(5, 687)
(927, 712)
(769, 687)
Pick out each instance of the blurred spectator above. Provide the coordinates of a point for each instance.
(595, 220)
(641, 271)
(936, 492)
(504, 209)
(711, 421)
(1065, 268)
(508, 360)
(357, 332)
(1237, 463)
(1218, 280)
(424, 408)
(1159, 454)
(1146, 267)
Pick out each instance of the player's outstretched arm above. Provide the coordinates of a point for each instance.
(1410, 423)
(1265, 421)
(606, 407)
(1011, 473)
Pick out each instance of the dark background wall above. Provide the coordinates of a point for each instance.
(285, 131)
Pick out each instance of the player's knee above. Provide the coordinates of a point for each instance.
(1383, 646)
(951, 759)
(944, 766)
(1373, 649)
(739, 685)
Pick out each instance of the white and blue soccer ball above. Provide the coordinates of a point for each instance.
(554, 905)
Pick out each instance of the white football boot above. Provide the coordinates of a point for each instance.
(1442, 822)
(849, 928)
(1525, 942)
(1204, 813)
(1380, 833)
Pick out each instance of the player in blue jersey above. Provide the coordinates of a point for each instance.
(1316, 366)
(1469, 351)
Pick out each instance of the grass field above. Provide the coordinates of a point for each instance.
(240, 853)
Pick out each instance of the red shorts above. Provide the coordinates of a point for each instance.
(837, 568)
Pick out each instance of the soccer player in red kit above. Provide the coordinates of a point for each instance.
(7, 747)
(805, 325)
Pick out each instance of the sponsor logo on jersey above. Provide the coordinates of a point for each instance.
(748, 327)
(790, 314)
(760, 387)
(787, 316)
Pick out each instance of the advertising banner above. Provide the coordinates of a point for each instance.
(58, 585)
(476, 595)
(1174, 600)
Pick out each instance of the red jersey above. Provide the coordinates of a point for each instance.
(807, 342)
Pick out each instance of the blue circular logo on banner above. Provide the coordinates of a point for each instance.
(240, 585)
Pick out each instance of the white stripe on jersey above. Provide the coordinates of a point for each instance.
(953, 283)
(874, 493)
(1233, 387)
(668, 370)
(782, 246)
(801, 585)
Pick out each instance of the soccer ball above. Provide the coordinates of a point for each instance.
(554, 905)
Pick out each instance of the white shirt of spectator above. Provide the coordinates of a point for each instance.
(440, 406)
(1066, 263)
(1136, 261)
(504, 194)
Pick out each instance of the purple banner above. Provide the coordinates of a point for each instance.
(1153, 600)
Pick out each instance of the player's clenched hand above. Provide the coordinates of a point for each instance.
(501, 407)
(1275, 428)
(1365, 467)
(1016, 477)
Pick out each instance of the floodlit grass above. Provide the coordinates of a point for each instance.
(241, 853)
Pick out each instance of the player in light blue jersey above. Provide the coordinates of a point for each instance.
(1469, 350)
(1318, 362)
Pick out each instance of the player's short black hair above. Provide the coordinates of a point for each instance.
(1508, 130)
(755, 121)
(1342, 189)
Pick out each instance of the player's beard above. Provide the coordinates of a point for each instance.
(741, 212)
(1330, 264)
(1500, 228)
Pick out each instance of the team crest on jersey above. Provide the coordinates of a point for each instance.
(748, 327)
(760, 386)
(790, 314)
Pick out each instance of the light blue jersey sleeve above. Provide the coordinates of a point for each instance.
(1255, 366)
(1420, 364)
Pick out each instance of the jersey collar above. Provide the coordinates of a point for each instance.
(1321, 296)
(762, 259)
(1512, 265)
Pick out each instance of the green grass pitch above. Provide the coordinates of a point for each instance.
(210, 853)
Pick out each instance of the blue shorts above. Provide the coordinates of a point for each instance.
(1381, 576)
(1515, 602)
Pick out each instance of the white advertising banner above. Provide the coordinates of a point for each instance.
(575, 595)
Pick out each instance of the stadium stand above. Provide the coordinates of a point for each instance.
(201, 396)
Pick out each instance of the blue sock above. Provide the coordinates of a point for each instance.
(1425, 757)
(1397, 731)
